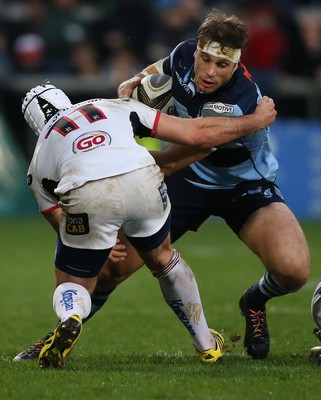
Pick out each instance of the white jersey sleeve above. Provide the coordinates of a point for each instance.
(46, 199)
(147, 115)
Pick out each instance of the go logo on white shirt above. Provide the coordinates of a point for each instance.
(90, 141)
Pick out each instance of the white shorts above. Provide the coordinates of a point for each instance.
(136, 201)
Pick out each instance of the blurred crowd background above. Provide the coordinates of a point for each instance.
(88, 47)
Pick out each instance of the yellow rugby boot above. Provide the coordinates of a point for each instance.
(211, 355)
(58, 346)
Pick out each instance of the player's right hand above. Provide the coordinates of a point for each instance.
(118, 252)
(126, 88)
(266, 112)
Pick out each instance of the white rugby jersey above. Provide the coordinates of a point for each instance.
(89, 141)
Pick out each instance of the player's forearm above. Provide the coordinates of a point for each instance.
(214, 131)
(177, 156)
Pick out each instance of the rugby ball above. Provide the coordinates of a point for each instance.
(155, 91)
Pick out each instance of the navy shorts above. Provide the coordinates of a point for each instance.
(191, 205)
(83, 263)
(86, 263)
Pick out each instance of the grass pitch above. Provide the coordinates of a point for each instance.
(135, 348)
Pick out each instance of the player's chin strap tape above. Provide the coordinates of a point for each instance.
(139, 129)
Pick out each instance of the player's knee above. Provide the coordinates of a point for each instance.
(304, 268)
(295, 274)
(298, 280)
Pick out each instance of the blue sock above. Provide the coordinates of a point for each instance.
(97, 301)
(263, 290)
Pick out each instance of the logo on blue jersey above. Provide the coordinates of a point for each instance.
(182, 83)
(217, 108)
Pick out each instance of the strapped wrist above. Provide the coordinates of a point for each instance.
(142, 74)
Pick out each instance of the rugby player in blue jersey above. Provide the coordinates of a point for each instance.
(236, 181)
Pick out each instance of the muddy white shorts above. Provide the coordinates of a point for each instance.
(136, 201)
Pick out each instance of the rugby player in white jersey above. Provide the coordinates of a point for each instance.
(90, 178)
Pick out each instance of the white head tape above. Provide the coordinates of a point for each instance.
(227, 53)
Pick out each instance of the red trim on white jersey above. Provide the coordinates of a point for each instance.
(155, 126)
(48, 210)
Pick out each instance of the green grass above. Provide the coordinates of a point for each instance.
(135, 348)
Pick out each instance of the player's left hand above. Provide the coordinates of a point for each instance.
(126, 88)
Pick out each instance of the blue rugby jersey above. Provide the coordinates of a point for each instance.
(245, 159)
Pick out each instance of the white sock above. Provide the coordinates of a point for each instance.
(71, 298)
(180, 291)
